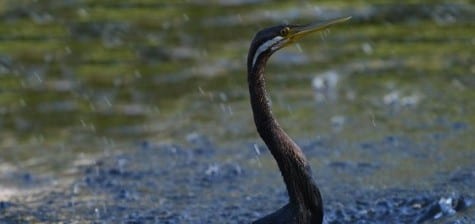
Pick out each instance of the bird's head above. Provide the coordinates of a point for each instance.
(269, 40)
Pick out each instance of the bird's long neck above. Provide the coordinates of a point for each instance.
(303, 193)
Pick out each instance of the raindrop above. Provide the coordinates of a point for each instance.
(458, 84)
(76, 189)
(325, 81)
(230, 110)
(290, 109)
(391, 98)
(202, 92)
(92, 107)
(82, 12)
(350, 95)
(68, 50)
(324, 34)
(83, 123)
(223, 107)
(318, 10)
(22, 102)
(337, 121)
(37, 76)
(107, 101)
(258, 152)
(325, 85)
(39, 139)
(156, 109)
(137, 74)
(121, 163)
(299, 48)
(117, 82)
(41, 18)
(410, 100)
(372, 118)
(96, 211)
(166, 25)
(185, 17)
(212, 170)
(3, 68)
(92, 127)
(105, 140)
(256, 149)
(110, 142)
(47, 58)
(211, 96)
(173, 150)
(204, 53)
(367, 48)
(223, 96)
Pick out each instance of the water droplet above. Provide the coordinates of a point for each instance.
(391, 98)
(367, 48)
(82, 12)
(256, 149)
(68, 50)
(213, 169)
(299, 47)
(96, 211)
(223, 96)
(223, 107)
(239, 18)
(338, 121)
(372, 118)
(137, 74)
(202, 92)
(107, 101)
(76, 189)
(37, 76)
(92, 127)
(22, 102)
(83, 123)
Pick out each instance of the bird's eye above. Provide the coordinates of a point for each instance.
(284, 31)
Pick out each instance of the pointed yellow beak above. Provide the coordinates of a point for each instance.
(297, 32)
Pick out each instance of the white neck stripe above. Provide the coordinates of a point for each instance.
(264, 47)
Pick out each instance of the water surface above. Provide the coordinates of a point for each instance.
(380, 104)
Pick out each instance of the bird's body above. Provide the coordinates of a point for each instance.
(305, 202)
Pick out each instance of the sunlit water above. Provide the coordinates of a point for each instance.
(157, 93)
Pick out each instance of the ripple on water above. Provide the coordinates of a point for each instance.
(173, 184)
